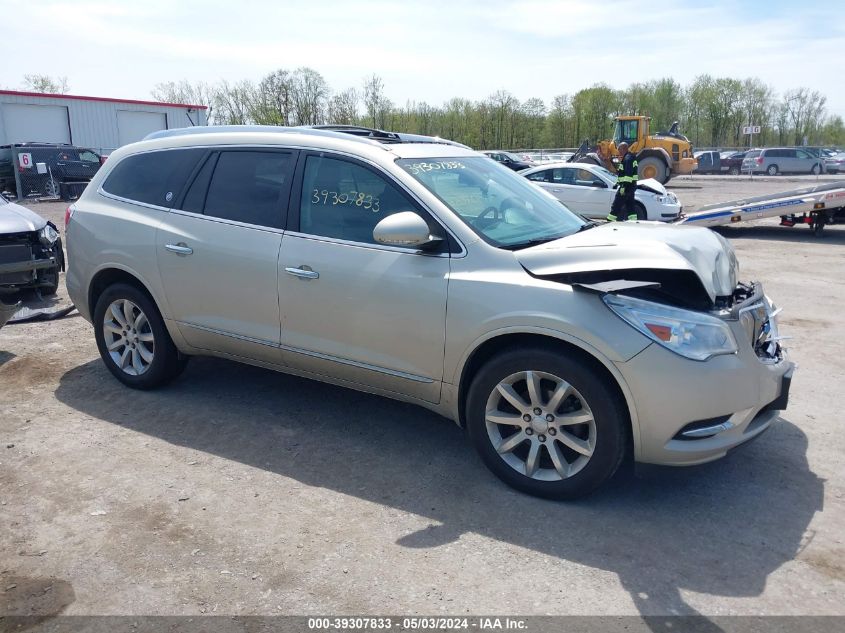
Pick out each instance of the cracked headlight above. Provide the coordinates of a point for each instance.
(48, 235)
(690, 334)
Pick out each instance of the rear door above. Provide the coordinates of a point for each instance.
(218, 252)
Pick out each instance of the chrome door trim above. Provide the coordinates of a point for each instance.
(305, 352)
(354, 363)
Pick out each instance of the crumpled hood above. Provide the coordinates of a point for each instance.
(650, 184)
(621, 246)
(17, 219)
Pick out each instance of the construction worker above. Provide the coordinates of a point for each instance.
(623, 207)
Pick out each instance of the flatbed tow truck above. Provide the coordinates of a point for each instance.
(815, 206)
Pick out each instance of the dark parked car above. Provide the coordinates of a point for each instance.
(713, 162)
(709, 162)
(509, 160)
(47, 169)
(732, 162)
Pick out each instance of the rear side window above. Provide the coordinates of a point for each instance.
(248, 186)
(541, 176)
(152, 177)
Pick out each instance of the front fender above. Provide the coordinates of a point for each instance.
(582, 345)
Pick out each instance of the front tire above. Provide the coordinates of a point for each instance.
(642, 212)
(816, 170)
(51, 282)
(572, 446)
(132, 339)
(651, 167)
(734, 171)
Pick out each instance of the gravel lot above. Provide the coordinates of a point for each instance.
(242, 491)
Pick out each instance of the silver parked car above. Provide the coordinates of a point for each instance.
(835, 163)
(781, 160)
(427, 273)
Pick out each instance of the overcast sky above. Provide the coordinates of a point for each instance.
(426, 50)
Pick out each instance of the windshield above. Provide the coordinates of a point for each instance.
(625, 131)
(753, 153)
(513, 157)
(502, 207)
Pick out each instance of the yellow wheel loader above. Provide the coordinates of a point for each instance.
(660, 156)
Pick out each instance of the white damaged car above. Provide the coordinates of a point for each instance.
(589, 190)
(31, 254)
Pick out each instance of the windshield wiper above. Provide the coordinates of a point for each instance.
(588, 225)
(534, 242)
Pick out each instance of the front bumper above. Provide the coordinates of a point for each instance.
(22, 270)
(729, 399)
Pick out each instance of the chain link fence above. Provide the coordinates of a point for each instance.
(46, 171)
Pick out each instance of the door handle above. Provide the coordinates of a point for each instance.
(180, 249)
(303, 273)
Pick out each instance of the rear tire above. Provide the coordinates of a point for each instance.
(651, 167)
(772, 170)
(571, 447)
(133, 340)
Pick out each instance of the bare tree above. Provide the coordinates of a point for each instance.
(184, 91)
(374, 100)
(806, 111)
(274, 105)
(343, 107)
(45, 83)
(310, 94)
(234, 103)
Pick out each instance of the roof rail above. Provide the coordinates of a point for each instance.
(348, 132)
(274, 129)
(383, 136)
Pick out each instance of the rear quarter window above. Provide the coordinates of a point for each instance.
(152, 177)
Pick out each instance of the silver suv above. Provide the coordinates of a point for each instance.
(782, 160)
(425, 272)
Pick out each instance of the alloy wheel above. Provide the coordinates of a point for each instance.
(128, 337)
(540, 425)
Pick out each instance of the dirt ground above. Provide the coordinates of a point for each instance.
(241, 491)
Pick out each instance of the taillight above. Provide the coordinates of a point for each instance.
(68, 215)
(760, 160)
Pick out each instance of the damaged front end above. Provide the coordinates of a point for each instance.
(31, 259)
(678, 288)
(757, 316)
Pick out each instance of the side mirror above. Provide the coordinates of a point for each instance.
(403, 229)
